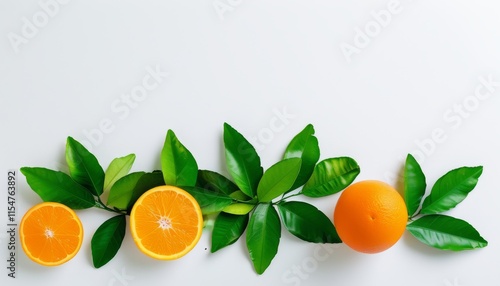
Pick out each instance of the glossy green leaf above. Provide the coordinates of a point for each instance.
(55, 186)
(107, 240)
(447, 233)
(304, 146)
(451, 189)
(331, 176)
(308, 223)
(118, 168)
(278, 179)
(228, 228)
(240, 196)
(84, 167)
(238, 208)
(121, 192)
(414, 185)
(216, 182)
(263, 236)
(209, 201)
(145, 183)
(178, 165)
(242, 161)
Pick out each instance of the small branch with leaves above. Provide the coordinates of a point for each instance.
(254, 200)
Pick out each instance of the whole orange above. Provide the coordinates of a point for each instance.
(370, 216)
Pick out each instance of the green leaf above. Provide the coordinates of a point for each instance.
(278, 179)
(216, 182)
(240, 196)
(84, 167)
(242, 161)
(107, 240)
(177, 163)
(451, 189)
(55, 186)
(145, 183)
(118, 168)
(414, 185)
(305, 146)
(447, 233)
(263, 236)
(122, 191)
(239, 209)
(331, 176)
(307, 222)
(210, 202)
(228, 228)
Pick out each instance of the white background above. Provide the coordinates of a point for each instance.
(248, 63)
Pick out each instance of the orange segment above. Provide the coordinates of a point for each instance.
(51, 233)
(166, 222)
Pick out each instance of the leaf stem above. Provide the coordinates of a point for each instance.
(99, 204)
(250, 202)
(412, 218)
(287, 197)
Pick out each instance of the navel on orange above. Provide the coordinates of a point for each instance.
(370, 216)
(50, 233)
(166, 222)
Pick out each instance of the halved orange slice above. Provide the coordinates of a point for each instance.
(166, 222)
(50, 233)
